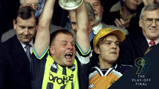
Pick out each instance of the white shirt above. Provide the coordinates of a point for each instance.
(31, 43)
(97, 28)
(156, 41)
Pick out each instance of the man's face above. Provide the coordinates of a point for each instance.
(98, 8)
(132, 4)
(32, 3)
(63, 49)
(109, 50)
(73, 20)
(25, 29)
(150, 30)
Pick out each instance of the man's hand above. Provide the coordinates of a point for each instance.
(146, 2)
(120, 23)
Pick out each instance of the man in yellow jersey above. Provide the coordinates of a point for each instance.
(60, 65)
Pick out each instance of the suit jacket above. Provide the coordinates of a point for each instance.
(132, 47)
(12, 32)
(14, 65)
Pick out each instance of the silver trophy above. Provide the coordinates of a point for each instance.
(70, 4)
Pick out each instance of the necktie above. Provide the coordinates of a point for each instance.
(28, 51)
(152, 43)
(40, 7)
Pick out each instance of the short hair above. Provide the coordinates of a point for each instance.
(64, 31)
(90, 11)
(25, 13)
(149, 7)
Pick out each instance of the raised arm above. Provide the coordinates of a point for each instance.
(82, 35)
(43, 34)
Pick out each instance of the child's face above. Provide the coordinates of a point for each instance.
(109, 49)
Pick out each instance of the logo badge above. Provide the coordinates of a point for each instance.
(142, 64)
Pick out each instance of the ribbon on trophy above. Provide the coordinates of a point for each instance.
(39, 9)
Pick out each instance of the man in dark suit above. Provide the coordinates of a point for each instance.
(33, 4)
(14, 62)
(135, 45)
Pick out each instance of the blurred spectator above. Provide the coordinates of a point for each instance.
(127, 17)
(98, 10)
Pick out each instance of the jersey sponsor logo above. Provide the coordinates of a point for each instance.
(60, 79)
(91, 85)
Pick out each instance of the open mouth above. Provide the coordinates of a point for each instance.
(68, 56)
(113, 53)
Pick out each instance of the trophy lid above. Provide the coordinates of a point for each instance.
(70, 4)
